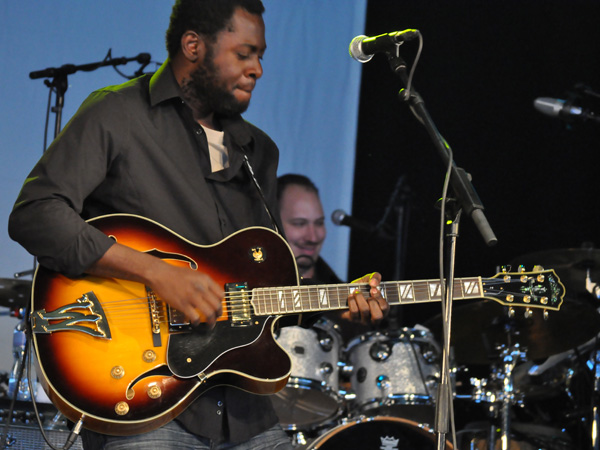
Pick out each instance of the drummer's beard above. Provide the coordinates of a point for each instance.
(304, 263)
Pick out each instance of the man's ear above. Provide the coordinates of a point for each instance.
(193, 47)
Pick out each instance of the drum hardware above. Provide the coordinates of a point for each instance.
(510, 356)
(483, 327)
(595, 428)
(579, 268)
(498, 393)
(14, 294)
(486, 334)
(18, 381)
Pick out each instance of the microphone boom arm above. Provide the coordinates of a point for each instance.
(460, 180)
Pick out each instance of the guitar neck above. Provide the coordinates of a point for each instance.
(300, 299)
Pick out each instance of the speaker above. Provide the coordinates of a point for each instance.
(23, 432)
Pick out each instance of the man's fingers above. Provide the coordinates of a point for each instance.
(359, 307)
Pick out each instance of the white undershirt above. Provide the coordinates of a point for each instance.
(219, 157)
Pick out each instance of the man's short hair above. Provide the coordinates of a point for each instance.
(205, 17)
(294, 179)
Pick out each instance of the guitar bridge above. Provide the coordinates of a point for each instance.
(238, 304)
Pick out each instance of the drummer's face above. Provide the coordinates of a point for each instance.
(304, 225)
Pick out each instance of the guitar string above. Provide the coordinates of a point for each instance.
(235, 305)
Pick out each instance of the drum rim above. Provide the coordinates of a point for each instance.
(311, 384)
(424, 429)
(398, 399)
(321, 388)
(401, 335)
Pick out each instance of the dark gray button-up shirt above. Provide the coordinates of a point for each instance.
(135, 148)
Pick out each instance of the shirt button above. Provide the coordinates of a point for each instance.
(219, 403)
(218, 412)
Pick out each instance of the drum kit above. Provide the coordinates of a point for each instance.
(520, 381)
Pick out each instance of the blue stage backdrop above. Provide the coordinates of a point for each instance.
(307, 99)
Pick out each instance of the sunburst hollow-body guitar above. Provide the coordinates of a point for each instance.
(118, 359)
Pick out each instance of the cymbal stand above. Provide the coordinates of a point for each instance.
(498, 392)
(596, 396)
(510, 356)
(593, 288)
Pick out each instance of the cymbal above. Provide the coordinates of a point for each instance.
(14, 293)
(570, 264)
(479, 329)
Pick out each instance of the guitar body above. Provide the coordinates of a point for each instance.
(112, 354)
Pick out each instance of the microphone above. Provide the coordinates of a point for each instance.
(143, 58)
(362, 48)
(562, 109)
(339, 217)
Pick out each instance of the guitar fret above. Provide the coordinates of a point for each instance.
(289, 300)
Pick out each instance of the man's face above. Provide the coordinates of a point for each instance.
(304, 225)
(224, 80)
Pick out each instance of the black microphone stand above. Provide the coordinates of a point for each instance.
(467, 201)
(60, 83)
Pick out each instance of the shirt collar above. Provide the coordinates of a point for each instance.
(164, 86)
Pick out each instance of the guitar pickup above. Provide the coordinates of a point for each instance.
(177, 320)
(238, 304)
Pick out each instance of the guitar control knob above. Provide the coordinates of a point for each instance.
(149, 356)
(122, 408)
(154, 391)
(117, 372)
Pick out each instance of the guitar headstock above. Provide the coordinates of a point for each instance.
(535, 289)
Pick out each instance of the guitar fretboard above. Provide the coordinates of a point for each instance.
(298, 299)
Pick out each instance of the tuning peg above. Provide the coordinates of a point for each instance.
(521, 268)
(528, 313)
(541, 278)
(538, 268)
(524, 278)
(511, 312)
